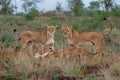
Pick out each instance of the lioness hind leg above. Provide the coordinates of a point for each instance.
(23, 44)
(99, 50)
(30, 45)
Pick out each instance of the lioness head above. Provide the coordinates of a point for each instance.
(50, 29)
(67, 31)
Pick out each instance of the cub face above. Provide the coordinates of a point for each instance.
(67, 31)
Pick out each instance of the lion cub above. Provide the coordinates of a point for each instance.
(66, 53)
(73, 53)
(47, 54)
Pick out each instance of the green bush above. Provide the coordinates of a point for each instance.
(115, 69)
(8, 38)
(56, 77)
(89, 78)
(31, 15)
(52, 17)
(10, 77)
(21, 14)
(23, 77)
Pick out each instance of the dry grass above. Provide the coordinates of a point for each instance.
(21, 66)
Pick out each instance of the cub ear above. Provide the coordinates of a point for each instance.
(46, 25)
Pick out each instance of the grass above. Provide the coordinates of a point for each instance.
(115, 69)
(20, 66)
(79, 23)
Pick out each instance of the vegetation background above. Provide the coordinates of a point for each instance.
(81, 18)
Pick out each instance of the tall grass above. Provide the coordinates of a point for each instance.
(10, 38)
(20, 66)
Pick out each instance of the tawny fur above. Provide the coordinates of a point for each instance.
(38, 37)
(73, 52)
(47, 54)
(76, 38)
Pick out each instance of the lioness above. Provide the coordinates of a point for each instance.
(76, 38)
(45, 37)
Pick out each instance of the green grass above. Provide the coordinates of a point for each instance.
(22, 66)
(9, 23)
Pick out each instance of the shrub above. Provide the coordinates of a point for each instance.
(89, 78)
(8, 38)
(31, 15)
(10, 77)
(115, 69)
(52, 17)
(21, 14)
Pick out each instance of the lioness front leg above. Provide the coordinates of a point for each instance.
(51, 46)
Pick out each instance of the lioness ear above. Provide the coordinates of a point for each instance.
(71, 27)
(46, 25)
(63, 27)
(56, 26)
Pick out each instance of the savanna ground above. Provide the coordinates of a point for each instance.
(15, 65)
